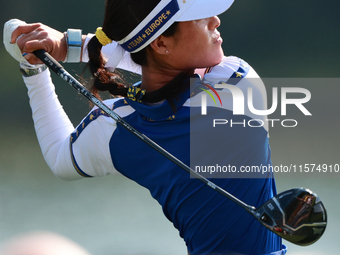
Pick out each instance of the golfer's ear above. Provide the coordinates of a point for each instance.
(162, 44)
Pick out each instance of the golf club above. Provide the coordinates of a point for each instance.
(297, 215)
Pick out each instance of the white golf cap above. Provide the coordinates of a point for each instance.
(165, 14)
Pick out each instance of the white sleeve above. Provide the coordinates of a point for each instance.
(53, 129)
(125, 63)
(51, 124)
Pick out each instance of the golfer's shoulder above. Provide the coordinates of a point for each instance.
(97, 117)
(117, 104)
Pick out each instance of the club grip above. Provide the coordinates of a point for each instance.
(48, 60)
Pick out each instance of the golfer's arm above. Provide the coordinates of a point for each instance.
(87, 154)
(52, 125)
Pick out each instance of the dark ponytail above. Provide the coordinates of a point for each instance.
(121, 17)
(104, 80)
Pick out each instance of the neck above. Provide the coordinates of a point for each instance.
(154, 79)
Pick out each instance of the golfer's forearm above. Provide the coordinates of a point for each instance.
(52, 125)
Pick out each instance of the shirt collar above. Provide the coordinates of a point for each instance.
(163, 110)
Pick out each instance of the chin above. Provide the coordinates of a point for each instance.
(211, 60)
(217, 60)
(218, 57)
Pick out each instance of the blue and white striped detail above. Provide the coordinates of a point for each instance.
(91, 117)
(74, 43)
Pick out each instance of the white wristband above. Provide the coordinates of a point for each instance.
(74, 43)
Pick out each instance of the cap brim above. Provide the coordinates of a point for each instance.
(201, 9)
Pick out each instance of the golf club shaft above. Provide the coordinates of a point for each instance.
(60, 71)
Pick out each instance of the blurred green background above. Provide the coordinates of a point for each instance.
(280, 39)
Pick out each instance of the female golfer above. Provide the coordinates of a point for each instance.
(171, 40)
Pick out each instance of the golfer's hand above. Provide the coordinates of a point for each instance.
(37, 36)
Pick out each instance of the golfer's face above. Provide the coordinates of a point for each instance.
(198, 44)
